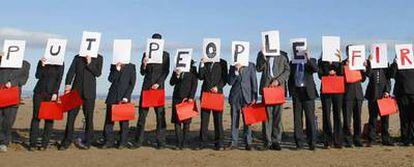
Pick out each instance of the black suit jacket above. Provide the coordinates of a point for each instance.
(16, 76)
(213, 74)
(378, 84)
(325, 67)
(185, 86)
(404, 81)
(83, 76)
(155, 73)
(122, 83)
(310, 88)
(354, 90)
(49, 78)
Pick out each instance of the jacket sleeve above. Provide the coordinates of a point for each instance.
(194, 83)
(95, 67)
(284, 76)
(113, 74)
(311, 66)
(165, 68)
(232, 75)
(71, 72)
(254, 82)
(39, 70)
(59, 78)
(201, 72)
(260, 62)
(392, 70)
(224, 73)
(174, 79)
(368, 70)
(143, 70)
(132, 81)
(23, 74)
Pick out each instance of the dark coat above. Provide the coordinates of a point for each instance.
(378, 84)
(213, 74)
(122, 83)
(310, 88)
(49, 78)
(155, 73)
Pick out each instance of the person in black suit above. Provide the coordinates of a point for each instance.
(122, 78)
(404, 92)
(154, 78)
(334, 100)
(303, 91)
(214, 76)
(46, 89)
(185, 86)
(10, 77)
(82, 75)
(352, 104)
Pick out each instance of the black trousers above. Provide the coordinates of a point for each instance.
(218, 126)
(109, 129)
(373, 115)
(182, 128)
(306, 106)
(406, 106)
(160, 129)
(34, 126)
(334, 101)
(88, 109)
(352, 113)
(7, 118)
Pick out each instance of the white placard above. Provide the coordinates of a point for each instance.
(379, 56)
(90, 44)
(405, 59)
(356, 57)
(211, 49)
(55, 51)
(183, 59)
(155, 51)
(122, 51)
(13, 54)
(271, 43)
(299, 47)
(240, 51)
(330, 46)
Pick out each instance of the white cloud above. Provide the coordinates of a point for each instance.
(33, 39)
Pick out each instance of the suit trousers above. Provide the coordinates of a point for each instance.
(235, 119)
(334, 101)
(272, 128)
(34, 126)
(218, 126)
(7, 118)
(406, 105)
(352, 111)
(372, 121)
(306, 106)
(109, 129)
(160, 129)
(88, 109)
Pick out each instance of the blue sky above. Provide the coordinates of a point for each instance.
(184, 23)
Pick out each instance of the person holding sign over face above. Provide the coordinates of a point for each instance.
(275, 69)
(81, 77)
(14, 72)
(303, 91)
(155, 68)
(185, 82)
(213, 72)
(49, 77)
(402, 70)
(353, 97)
(330, 65)
(122, 77)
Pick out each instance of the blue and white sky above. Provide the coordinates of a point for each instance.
(184, 23)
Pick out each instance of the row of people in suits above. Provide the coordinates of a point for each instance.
(276, 71)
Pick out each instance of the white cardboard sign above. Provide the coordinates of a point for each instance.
(271, 43)
(299, 47)
(183, 59)
(405, 59)
(330, 46)
(90, 44)
(55, 51)
(356, 57)
(379, 57)
(240, 52)
(122, 51)
(211, 49)
(155, 51)
(13, 54)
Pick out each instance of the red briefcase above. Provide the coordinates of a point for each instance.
(212, 101)
(255, 113)
(153, 98)
(387, 106)
(123, 112)
(50, 111)
(352, 76)
(274, 95)
(71, 100)
(333, 85)
(186, 110)
(9, 97)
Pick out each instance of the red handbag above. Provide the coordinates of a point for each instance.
(387, 106)
(50, 111)
(255, 113)
(274, 95)
(153, 98)
(212, 101)
(123, 112)
(352, 76)
(71, 100)
(186, 110)
(333, 85)
(9, 97)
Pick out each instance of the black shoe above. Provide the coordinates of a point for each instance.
(348, 145)
(327, 145)
(63, 147)
(338, 146)
(388, 143)
(231, 147)
(201, 146)
(42, 148)
(370, 144)
(218, 147)
(82, 146)
(312, 147)
(122, 146)
(107, 146)
(276, 146)
(264, 148)
(358, 144)
(299, 146)
(248, 147)
(160, 146)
